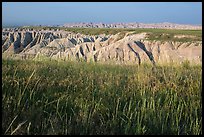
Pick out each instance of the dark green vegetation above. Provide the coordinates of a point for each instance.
(42, 97)
(153, 34)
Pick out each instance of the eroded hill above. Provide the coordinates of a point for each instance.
(120, 48)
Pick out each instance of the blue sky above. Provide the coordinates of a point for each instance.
(54, 13)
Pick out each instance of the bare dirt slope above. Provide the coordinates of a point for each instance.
(119, 48)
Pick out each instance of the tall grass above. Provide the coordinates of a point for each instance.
(56, 97)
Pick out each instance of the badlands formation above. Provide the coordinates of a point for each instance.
(119, 48)
(165, 25)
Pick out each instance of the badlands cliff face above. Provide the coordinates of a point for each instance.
(120, 48)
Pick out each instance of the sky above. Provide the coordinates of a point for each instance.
(58, 13)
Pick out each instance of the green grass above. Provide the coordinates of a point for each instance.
(168, 35)
(153, 34)
(56, 97)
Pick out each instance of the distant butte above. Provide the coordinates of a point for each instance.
(165, 25)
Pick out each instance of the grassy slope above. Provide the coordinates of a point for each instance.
(154, 34)
(42, 97)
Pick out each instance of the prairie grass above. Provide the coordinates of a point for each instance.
(57, 97)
